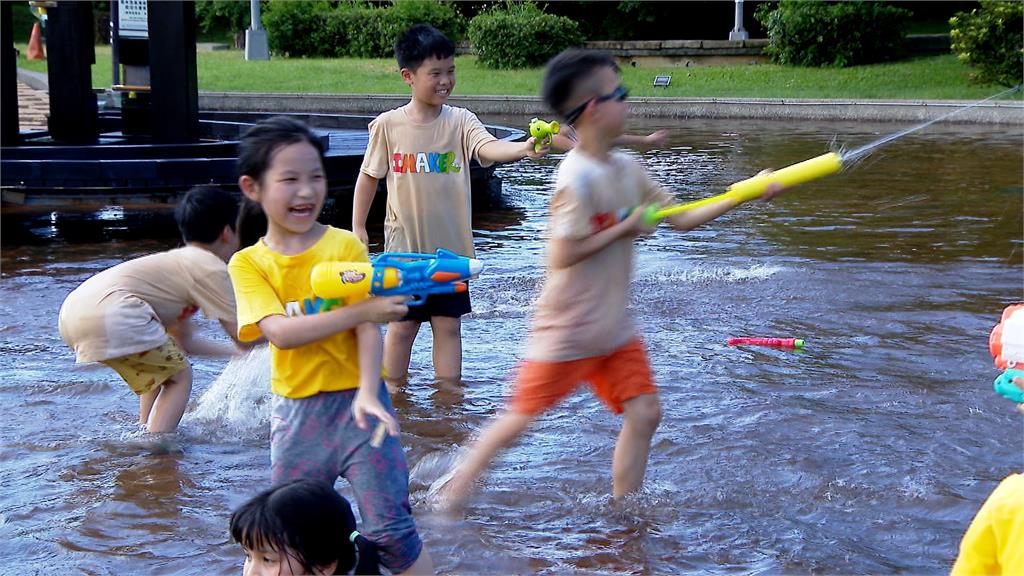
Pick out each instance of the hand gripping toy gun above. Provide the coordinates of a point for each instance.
(396, 274)
(542, 131)
(751, 188)
(1006, 343)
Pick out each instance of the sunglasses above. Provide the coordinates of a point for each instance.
(620, 93)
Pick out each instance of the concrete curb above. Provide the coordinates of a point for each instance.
(35, 80)
(994, 113)
(1009, 113)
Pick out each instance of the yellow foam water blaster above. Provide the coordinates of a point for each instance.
(543, 131)
(751, 188)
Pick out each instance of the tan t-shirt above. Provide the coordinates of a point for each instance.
(129, 308)
(581, 311)
(427, 169)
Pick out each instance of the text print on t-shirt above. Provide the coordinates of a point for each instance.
(425, 162)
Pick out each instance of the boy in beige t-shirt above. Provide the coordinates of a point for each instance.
(424, 149)
(581, 330)
(135, 317)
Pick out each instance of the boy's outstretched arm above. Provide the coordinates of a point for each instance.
(366, 403)
(565, 252)
(362, 199)
(693, 218)
(654, 139)
(502, 151)
(287, 332)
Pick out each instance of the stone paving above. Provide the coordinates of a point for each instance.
(33, 107)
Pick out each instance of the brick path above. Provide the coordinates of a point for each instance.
(33, 107)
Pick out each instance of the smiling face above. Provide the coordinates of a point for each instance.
(291, 191)
(433, 81)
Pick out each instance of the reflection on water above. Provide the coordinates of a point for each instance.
(868, 452)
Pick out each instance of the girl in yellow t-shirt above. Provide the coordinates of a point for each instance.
(325, 354)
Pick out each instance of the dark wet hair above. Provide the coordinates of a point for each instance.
(204, 212)
(419, 43)
(308, 519)
(256, 150)
(566, 71)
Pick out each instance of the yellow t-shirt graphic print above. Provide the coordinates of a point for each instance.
(428, 178)
(268, 283)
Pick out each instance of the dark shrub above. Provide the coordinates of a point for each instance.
(520, 35)
(839, 34)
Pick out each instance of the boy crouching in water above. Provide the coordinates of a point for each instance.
(581, 330)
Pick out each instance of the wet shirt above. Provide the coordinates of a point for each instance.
(581, 311)
(428, 180)
(268, 283)
(129, 308)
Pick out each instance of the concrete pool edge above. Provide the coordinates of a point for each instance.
(995, 113)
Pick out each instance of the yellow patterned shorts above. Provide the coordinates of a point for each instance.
(146, 370)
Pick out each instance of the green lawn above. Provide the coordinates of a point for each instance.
(937, 77)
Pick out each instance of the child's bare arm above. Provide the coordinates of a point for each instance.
(502, 151)
(562, 143)
(366, 402)
(655, 139)
(566, 252)
(362, 199)
(185, 336)
(287, 332)
(693, 218)
(231, 329)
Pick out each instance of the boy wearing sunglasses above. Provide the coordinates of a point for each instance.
(581, 329)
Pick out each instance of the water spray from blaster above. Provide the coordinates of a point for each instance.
(796, 174)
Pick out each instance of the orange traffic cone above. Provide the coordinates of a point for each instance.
(35, 43)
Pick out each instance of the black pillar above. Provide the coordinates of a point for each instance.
(70, 54)
(172, 63)
(8, 79)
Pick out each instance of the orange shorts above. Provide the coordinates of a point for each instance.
(617, 377)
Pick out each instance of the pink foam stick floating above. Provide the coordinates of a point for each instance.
(790, 343)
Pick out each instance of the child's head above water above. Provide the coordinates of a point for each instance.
(584, 84)
(281, 163)
(301, 527)
(426, 58)
(207, 215)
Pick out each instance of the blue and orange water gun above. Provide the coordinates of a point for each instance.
(1006, 343)
(396, 274)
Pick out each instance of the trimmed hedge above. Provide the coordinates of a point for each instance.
(520, 35)
(991, 40)
(352, 28)
(814, 33)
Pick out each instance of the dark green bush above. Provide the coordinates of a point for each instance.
(990, 39)
(520, 35)
(813, 33)
(352, 27)
(296, 28)
(229, 15)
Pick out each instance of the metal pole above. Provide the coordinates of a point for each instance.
(114, 56)
(738, 33)
(256, 47)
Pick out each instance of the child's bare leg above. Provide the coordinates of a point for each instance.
(423, 565)
(447, 333)
(398, 343)
(171, 402)
(499, 434)
(629, 464)
(146, 404)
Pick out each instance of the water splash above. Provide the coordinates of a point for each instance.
(237, 404)
(853, 156)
